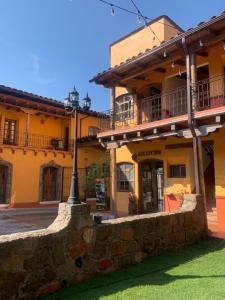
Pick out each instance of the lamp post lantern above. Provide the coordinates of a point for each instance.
(87, 103)
(71, 104)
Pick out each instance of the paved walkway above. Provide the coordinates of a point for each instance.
(26, 219)
(20, 220)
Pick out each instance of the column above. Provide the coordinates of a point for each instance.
(113, 180)
(112, 108)
(2, 125)
(194, 90)
(27, 129)
(113, 155)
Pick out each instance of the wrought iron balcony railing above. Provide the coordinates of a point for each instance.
(208, 93)
(22, 139)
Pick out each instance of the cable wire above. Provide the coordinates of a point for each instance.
(145, 21)
(134, 13)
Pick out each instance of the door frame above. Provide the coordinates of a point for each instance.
(8, 181)
(140, 196)
(58, 182)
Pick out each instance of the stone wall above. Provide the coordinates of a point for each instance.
(74, 249)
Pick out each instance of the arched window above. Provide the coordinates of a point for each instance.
(124, 107)
(125, 177)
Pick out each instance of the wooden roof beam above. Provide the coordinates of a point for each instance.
(202, 53)
(177, 56)
(180, 62)
(212, 32)
(160, 70)
(140, 77)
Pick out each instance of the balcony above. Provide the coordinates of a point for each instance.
(170, 106)
(35, 141)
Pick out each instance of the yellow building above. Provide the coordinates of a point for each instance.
(166, 134)
(36, 141)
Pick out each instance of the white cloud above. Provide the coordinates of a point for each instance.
(36, 67)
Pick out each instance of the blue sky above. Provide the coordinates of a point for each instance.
(47, 46)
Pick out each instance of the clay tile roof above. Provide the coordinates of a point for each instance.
(40, 99)
(201, 23)
(168, 42)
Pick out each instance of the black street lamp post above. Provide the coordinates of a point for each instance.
(71, 104)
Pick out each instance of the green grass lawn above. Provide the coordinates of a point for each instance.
(196, 272)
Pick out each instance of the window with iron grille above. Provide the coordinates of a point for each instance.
(93, 131)
(177, 171)
(125, 177)
(124, 107)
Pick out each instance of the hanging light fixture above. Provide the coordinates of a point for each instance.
(179, 72)
(139, 19)
(201, 43)
(173, 65)
(224, 45)
(164, 54)
(112, 11)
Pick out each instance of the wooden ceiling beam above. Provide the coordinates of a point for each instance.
(160, 70)
(212, 32)
(140, 77)
(180, 62)
(202, 53)
(151, 67)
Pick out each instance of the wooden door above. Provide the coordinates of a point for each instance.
(3, 184)
(50, 184)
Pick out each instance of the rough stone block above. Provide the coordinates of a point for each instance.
(79, 250)
(117, 248)
(48, 289)
(89, 235)
(100, 249)
(105, 263)
(127, 234)
(103, 232)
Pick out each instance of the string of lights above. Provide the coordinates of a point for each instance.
(145, 21)
(138, 15)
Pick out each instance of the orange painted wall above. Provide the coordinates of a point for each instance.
(140, 40)
(27, 162)
(173, 187)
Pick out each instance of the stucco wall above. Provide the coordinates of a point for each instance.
(167, 156)
(140, 40)
(27, 161)
(74, 249)
(26, 165)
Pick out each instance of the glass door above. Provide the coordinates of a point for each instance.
(151, 179)
(147, 187)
